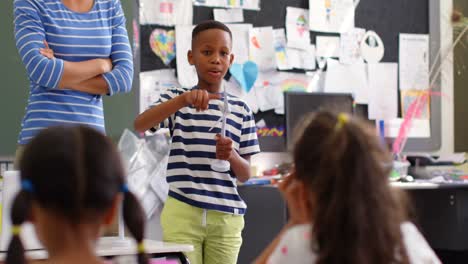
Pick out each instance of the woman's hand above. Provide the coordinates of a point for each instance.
(47, 52)
(297, 199)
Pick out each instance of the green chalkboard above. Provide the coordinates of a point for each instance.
(119, 110)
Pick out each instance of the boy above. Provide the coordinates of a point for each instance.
(204, 208)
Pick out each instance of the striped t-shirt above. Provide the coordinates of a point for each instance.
(99, 33)
(193, 149)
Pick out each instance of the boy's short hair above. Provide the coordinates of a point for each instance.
(210, 24)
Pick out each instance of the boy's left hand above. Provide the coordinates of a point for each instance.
(223, 147)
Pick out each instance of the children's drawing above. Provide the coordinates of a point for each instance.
(163, 12)
(280, 49)
(261, 48)
(255, 42)
(297, 27)
(410, 96)
(244, 4)
(153, 83)
(301, 25)
(240, 47)
(333, 16)
(350, 46)
(162, 43)
(294, 85)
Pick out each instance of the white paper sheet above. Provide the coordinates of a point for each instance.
(153, 83)
(383, 91)
(420, 128)
(341, 78)
(244, 4)
(281, 54)
(350, 45)
(240, 42)
(166, 12)
(270, 87)
(297, 27)
(331, 15)
(327, 47)
(302, 59)
(414, 61)
(234, 15)
(261, 48)
(187, 75)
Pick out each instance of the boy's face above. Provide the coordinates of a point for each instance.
(211, 56)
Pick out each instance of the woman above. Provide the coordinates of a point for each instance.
(91, 57)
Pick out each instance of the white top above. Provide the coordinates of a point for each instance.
(295, 246)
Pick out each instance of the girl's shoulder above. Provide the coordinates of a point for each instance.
(417, 248)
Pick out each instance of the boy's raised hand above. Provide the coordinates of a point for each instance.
(223, 147)
(199, 98)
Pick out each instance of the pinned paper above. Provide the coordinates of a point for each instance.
(408, 97)
(250, 4)
(153, 83)
(166, 12)
(372, 47)
(297, 27)
(270, 87)
(334, 16)
(383, 91)
(234, 15)
(343, 78)
(281, 56)
(245, 74)
(302, 59)
(414, 61)
(240, 47)
(420, 128)
(261, 47)
(350, 46)
(328, 46)
(162, 43)
(187, 74)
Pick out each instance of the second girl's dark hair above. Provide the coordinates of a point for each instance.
(76, 172)
(356, 216)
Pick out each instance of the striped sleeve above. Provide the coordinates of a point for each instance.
(164, 97)
(30, 36)
(120, 78)
(248, 142)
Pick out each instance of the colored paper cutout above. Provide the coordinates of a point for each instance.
(270, 132)
(245, 74)
(162, 43)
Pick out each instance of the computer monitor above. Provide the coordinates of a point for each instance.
(298, 104)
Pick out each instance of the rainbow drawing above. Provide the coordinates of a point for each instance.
(294, 85)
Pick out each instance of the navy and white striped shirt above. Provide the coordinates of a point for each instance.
(99, 33)
(193, 149)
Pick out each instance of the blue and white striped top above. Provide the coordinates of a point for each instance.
(193, 149)
(99, 33)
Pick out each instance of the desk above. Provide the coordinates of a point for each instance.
(109, 247)
(441, 211)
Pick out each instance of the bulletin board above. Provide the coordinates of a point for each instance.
(387, 18)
